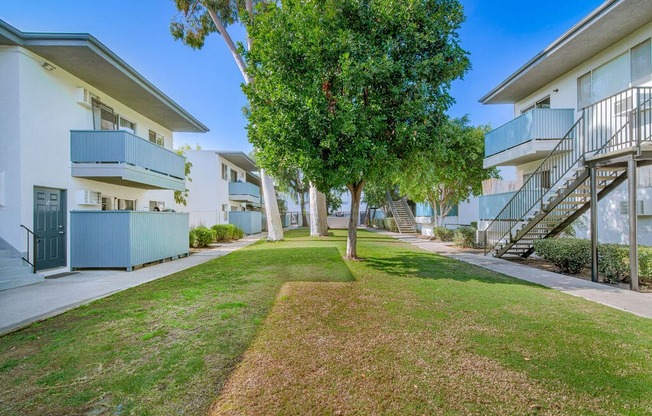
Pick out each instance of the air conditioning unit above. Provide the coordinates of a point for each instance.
(85, 97)
(86, 197)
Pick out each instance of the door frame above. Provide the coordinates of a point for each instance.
(63, 213)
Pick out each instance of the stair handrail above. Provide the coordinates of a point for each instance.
(555, 151)
(583, 144)
(409, 211)
(35, 240)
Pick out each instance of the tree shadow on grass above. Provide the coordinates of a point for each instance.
(434, 266)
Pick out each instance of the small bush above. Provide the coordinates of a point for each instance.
(443, 233)
(464, 237)
(204, 236)
(570, 255)
(613, 262)
(235, 233)
(192, 238)
(645, 263)
(390, 224)
(227, 232)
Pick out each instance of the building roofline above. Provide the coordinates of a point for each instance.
(36, 41)
(579, 27)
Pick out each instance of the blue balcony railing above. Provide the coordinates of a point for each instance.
(244, 188)
(251, 222)
(537, 124)
(491, 205)
(124, 239)
(106, 148)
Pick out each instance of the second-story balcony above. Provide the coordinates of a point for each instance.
(244, 192)
(528, 137)
(122, 158)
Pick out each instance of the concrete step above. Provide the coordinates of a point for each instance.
(11, 262)
(4, 254)
(15, 271)
(20, 280)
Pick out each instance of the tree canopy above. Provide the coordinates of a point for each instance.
(348, 89)
(450, 174)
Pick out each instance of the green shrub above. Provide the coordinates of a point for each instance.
(390, 224)
(645, 263)
(443, 233)
(613, 262)
(192, 238)
(227, 232)
(221, 232)
(464, 237)
(235, 233)
(570, 255)
(204, 236)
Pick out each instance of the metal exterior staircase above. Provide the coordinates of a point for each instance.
(558, 192)
(403, 216)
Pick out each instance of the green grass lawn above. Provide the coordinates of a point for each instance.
(400, 332)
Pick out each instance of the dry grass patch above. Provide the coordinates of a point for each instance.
(421, 334)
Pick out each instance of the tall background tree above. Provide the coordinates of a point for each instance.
(450, 174)
(292, 182)
(349, 89)
(195, 21)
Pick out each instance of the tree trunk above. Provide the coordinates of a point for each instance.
(352, 239)
(318, 213)
(302, 202)
(274, 225)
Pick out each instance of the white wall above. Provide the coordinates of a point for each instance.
(566, 97)
(41, 120)
(207, 190)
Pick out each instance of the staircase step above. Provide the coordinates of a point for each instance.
(11, 263)
(21, 280)
(4, 254)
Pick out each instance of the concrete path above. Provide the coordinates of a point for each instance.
(626, 300)
(23, 305)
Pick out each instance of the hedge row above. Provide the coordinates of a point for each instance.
(571, 255)
(202, 236)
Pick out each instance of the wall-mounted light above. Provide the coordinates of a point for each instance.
(555, 90)
(47, 65)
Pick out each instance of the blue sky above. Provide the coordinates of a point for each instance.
(501, 35)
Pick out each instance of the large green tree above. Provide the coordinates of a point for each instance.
(450, 174)
(349, 89)
(195, 21)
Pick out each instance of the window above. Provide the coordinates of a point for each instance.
(234, 176)
(225, 172)
(108, 203)
(631, 68)
(126, 204)
(103, 116)
(542, 103)
(156, 138)
(225, 212)
(641, 57)
(124, 124)
(156, 205)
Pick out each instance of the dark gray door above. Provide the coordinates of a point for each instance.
(50, 227)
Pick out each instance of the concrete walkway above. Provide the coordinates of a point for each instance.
(23, 305)
(626, 300)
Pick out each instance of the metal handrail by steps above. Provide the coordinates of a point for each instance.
(35, 240)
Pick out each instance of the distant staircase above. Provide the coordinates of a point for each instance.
(558, 192)
(403, 216)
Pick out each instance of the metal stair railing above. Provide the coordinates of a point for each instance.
(35, 240)
(604, 126)
(410, 215)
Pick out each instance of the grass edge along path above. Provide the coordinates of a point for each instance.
(418, 333)
(165, 347)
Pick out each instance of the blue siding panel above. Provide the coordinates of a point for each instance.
(491, 205)
(116, 146)
(124, 239)
(244, 188)
(249, 221)
(537, 124)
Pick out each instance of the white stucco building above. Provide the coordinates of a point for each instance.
(86, 157)
(225, 189)
(581, 132)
